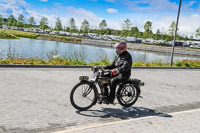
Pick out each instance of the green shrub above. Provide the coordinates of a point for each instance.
(5, 35)
(79, 59)
(20, 33)
(138, 63)
(187, 63)
(103, 62)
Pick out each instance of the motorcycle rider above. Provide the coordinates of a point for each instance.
(120, 68)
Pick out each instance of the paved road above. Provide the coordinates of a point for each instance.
(178, 122)
(37, 100)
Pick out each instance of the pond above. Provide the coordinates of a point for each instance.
(26, 48)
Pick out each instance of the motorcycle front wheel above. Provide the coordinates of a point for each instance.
(127, 95)
(83, 96)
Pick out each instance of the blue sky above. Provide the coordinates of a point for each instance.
(160, 12)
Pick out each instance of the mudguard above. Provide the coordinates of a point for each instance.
(137, 84)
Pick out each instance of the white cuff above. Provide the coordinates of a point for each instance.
(117, 71)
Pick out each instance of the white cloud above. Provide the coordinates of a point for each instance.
(114, 24)
(79, 14)
(191, 3)
(15, 7)
(14, 2)
(187, 24)
(161, 13)
(36, 15)
(112, 1)
(44, 0)
(112, 10)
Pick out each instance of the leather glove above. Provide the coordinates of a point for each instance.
(115, 71)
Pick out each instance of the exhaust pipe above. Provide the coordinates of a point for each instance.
(141, 84)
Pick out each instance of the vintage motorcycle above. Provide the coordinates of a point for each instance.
(89, 92)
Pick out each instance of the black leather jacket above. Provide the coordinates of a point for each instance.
(123, 63)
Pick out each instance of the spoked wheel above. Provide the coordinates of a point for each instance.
(83, 96)
(127, 95)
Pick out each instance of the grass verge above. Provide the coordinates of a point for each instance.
(15, 34)
(103, 62)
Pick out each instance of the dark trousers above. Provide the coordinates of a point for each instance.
(115, 81)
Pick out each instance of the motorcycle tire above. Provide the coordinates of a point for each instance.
(127, 95)
(84, 93)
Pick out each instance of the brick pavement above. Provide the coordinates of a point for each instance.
(179, 122)
(37, 100)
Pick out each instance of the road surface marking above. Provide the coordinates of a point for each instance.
(121, 121)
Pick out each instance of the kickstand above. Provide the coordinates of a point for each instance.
(140, 96)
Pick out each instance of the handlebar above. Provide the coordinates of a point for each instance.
(102, 72)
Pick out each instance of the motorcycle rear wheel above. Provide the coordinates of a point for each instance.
(127, 95)
(83, 96)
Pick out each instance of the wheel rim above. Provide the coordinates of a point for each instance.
(128, 94)
(83, 96)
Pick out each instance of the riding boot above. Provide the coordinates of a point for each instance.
(105, 93)
(111, 97)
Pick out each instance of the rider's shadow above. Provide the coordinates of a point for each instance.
(123, 113)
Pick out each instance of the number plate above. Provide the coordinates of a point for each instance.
(83, 78)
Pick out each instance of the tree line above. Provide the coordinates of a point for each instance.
(127, 28)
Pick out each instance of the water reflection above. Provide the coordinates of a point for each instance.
(26, 48)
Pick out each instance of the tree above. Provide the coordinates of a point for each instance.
(31, 21)
(126, 25)
(43, 23)
(72, 25)
(103, 25)
(148, 30)
(178, 37)
(148, 26)
(67, 29)
(172, 28)
(20, 22)
(85, 26)
(58, 26)
(157, 35)
(191, 37)
(167, 38)
(134, 32)
(186, 38)
(115, 32)
(108, 31)
(140, 34)
(1, 20)
(198, 32)
(12, 21)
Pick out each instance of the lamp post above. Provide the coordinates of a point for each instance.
(172, 54)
